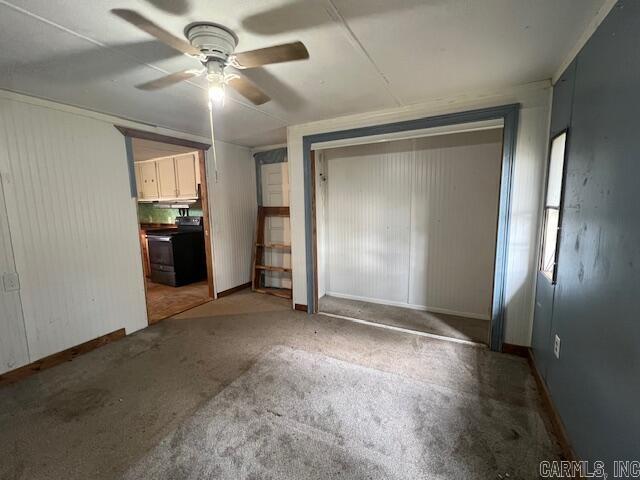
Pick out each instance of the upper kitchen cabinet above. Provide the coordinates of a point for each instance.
(148, 181)
(168, 178)
(186, 176)
(138, 179)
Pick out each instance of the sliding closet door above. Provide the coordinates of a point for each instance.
(368, 221)
(413, 222)
(454, 217)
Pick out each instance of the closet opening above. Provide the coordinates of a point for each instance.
(406, 229)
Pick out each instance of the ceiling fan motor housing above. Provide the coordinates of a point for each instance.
(214, 41)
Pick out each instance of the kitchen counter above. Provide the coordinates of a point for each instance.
(145, 227)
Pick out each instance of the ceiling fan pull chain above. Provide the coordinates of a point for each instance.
(213, 143)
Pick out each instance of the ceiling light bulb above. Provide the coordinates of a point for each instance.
(216, 93)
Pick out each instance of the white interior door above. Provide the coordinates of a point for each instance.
(275, 193)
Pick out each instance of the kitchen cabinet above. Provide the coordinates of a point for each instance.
(186, 176)
(138, 179)
(168, 178)
(148, 182)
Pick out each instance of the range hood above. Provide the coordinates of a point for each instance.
(180, 204)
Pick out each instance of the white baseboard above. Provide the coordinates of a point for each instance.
(423, 308)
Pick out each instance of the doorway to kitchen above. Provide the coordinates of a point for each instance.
(173, 217)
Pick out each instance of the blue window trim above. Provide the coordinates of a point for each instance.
(509, 115)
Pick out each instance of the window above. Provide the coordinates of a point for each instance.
(552, 204)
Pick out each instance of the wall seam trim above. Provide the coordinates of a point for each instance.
(414, 168)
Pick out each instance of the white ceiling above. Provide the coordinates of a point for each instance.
(365, 55)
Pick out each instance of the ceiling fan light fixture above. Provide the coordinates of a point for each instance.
(216, 93)
(216, 81)
(214, 46)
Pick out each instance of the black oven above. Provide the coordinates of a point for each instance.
(177, 256)
(160, 249)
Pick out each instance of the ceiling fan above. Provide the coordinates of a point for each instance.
(214, 46)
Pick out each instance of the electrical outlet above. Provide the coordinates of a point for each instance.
(11, 282)
(556, 346)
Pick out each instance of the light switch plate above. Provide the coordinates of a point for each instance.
(556, 346)
(11, 282)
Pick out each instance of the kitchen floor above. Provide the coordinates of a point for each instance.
(245, 387)
(164, 301)
(452, 326)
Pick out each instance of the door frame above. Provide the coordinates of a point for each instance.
(201, 148)
(507, 113)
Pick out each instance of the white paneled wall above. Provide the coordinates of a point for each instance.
(413, 222)
(368, 220)
(456, 187)
(234, 209)
(70, 223)
(73, 226)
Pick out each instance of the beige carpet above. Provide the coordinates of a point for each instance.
(242, 302)
(101, 415)
(297, 415)
(452, 326)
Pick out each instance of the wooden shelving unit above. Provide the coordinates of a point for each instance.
(259, 265)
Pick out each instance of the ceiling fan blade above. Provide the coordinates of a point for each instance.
(168, 80)
(248, 90)
(175, 7)
(143, 23)
(286, 52)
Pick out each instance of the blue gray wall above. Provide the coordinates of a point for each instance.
(595, 384)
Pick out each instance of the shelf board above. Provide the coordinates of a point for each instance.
(271, 268)
(275, 211)
(274, 245)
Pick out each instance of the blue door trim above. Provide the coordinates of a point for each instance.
(509, 115)
(131, 166)
(278, 155)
